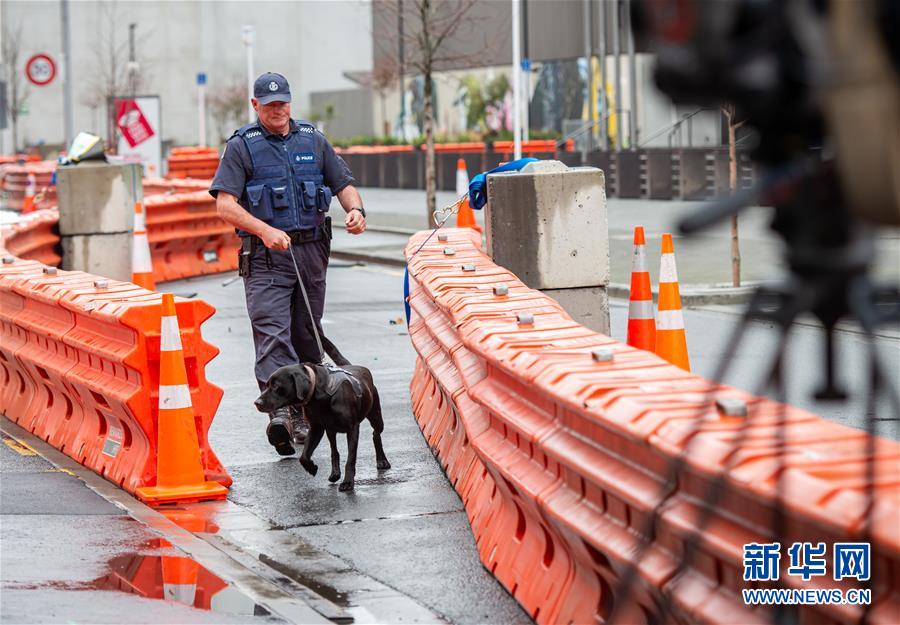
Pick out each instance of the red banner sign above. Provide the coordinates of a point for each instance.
(131, 122)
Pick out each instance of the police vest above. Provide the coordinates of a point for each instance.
(287, 189)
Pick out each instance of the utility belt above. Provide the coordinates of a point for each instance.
(251, 243)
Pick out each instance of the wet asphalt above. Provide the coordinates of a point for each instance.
(405, 527)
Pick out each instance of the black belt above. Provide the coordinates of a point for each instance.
(301, 236)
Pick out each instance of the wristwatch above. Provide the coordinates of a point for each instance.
(360, 209)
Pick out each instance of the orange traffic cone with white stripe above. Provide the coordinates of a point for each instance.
(179, 470)
(141, 263)
(179, 576)
(465, 216)
(671, 342)
(28, 204)
(641, 325)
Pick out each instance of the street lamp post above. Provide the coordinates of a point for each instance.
(68, 111)
(517, 82)
(247, 33)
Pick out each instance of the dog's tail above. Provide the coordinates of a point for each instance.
(333, 352)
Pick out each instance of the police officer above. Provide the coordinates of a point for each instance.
(274, 184)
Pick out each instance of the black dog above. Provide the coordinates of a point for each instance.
(337, 399)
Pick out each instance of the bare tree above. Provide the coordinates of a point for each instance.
(228, 106)
(18, 88)
(384, 78)
(730, 113)
(431, 27)
(111, 77)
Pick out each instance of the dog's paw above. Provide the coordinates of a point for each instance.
(334, 477)
(383, 464)
(309, 465)
(345, 486)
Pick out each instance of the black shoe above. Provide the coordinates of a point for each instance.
(279, 431)
(300, 424)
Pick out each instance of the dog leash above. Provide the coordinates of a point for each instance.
(312, 319)
(446, 213)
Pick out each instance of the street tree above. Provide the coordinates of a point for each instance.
(228, 106)
(18, 88)
(112, 75)
(384, 78)
(730, 112)
(428, 36)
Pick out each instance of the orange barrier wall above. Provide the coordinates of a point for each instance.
(187, 236)
(79, 362)
(192, 162)
(157, 186)
(15, 180)
(560, 458)
(34, 237)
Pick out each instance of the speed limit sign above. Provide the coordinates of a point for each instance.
(40, 70)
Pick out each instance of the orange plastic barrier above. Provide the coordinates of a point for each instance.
(528, 147)
(15, 183)
(187, 236)
(19, 158)
(80, 365)
(34, 237)
(192, 162)
(558, 440)
(157, 186)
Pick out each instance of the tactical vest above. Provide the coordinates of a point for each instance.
(287, 189)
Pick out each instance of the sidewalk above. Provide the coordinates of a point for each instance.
(704, 261)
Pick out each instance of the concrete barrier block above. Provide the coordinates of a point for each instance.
(589, 306)
(97, 197)
(107, 255)
(548, 225)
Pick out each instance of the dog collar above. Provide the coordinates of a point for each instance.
(312, 384)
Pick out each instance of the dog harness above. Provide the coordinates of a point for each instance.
(337, 377)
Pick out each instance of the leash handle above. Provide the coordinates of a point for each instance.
(312, 319)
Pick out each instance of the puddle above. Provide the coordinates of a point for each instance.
(176, 579)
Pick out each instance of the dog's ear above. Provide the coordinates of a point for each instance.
(301, 381)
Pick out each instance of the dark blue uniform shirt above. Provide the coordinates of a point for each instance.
(236, 167)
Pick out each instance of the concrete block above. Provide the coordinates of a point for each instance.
(548, 225)
(588, 306)
(97, 197)
(107, 255)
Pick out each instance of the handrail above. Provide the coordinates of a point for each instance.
(587, 126)
(672, 127)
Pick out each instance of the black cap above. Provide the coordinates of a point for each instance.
(271, 87)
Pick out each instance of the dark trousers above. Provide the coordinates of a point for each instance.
(282, 333)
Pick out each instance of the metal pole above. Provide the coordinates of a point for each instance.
(201, 113)
(617, 74)
(132, 62)
(632, 81)
(517, 82)
(588, 53)
(401, 63)
(247, 36)
(604, 113)
(68, 114)
(526, 74)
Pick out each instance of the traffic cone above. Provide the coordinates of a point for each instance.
(671, 342)
(28, 204)
(141, 263)
(179, 576)
(641, 325)
(179, 471)
(465, 216)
